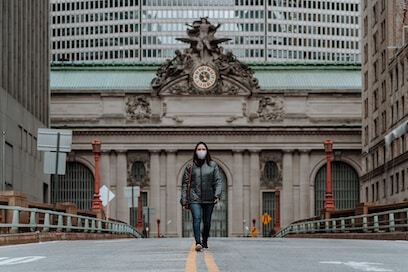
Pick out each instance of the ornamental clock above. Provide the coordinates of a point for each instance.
(204, 77)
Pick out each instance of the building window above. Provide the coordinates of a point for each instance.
(271, 170)
(138, 171)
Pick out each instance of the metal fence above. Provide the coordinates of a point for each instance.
(387, 221)
(33, 219)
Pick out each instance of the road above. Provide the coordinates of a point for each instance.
(224, 254)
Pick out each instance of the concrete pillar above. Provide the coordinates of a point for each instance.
(122, 208)
(108, 175)
(155, 190)
(287, 189)
(237, 194)
(296, 176)
(171, 197)
(304, 188)
(255, 198)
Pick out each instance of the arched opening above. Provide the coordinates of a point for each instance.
(219, 221)
(76, 186)
(345, 187)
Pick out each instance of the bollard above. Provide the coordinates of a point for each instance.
(14, 227)
(33, 223)
(158, 227)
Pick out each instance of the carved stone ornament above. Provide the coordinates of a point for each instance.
(138, 108)
(203, 68)
(271, 108)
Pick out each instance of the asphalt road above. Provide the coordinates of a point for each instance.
(224, 254)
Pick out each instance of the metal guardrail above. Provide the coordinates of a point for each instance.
(47, 220)
(388, 221)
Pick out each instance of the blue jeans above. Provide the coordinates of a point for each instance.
(203, 211)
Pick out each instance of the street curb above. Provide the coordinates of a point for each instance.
(361, 236)
(37, 237)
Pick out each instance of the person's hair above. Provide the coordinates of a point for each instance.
(207, 156)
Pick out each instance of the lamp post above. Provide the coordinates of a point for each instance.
(277, 209)
(96, 201)
(328, 198)
(139, 224)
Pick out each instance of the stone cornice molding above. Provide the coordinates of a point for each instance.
(192, 131)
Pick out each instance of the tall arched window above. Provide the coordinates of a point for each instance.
(345, 187)
(76, 186)
(138, 171)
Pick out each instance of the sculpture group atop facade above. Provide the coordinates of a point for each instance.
(222, 73)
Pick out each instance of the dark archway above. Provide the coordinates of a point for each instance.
(345, 186)
(76, 186)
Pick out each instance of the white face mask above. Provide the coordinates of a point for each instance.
(201, 154)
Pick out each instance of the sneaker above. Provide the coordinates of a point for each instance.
(198, 247)
(205, 245)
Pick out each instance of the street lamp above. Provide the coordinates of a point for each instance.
(328, 198)
(96, 201)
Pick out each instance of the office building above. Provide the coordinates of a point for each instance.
(24, 95)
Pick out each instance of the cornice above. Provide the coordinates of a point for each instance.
(190, 131)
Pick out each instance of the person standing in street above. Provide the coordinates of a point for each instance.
(201, 189)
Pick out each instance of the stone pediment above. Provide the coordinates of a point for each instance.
(204, 68)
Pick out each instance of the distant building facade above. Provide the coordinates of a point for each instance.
(384, 94)
(24, 95)
(265, 31)
(265, 127)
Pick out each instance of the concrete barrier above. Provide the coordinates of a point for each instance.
(36, 237)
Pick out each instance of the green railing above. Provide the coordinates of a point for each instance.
(387, 221)
(33, 219)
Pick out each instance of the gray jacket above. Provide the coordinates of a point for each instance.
(205, 186)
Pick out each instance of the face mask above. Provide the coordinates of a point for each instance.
(201, 154)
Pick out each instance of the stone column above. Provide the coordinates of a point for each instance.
(109, 179)
(254, 170)
(122, 208)
(287, 189)
(171, 197)
(295, 185)
(155, 190)
(304, 197)
(237, 194)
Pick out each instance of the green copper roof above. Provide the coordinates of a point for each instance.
(270, 77)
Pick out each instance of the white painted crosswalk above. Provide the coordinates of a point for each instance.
(19, 260)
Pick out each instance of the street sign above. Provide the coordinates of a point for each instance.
(106, 195)
(148, 213)
(266, 218)
(127, 191)
(50, 161)
(47, 140)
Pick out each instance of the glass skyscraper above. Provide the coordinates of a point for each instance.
(261, 31)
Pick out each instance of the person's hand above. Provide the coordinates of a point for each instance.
(216, 200)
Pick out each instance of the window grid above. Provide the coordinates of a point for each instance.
(145, 31)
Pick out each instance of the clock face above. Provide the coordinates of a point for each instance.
(204, 77)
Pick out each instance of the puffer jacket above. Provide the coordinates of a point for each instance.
(205, 186)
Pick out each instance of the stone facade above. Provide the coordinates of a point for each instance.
(244, 126)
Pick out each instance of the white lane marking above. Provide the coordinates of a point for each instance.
(19, 260)
(362, 266)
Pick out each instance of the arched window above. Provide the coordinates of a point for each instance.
(76, 186)
(138, 171)
(345, 187)
(270, 170)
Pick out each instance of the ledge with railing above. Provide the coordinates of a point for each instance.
(19, 215)
(373, 220)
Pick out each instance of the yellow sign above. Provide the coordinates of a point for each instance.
(266, 218)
